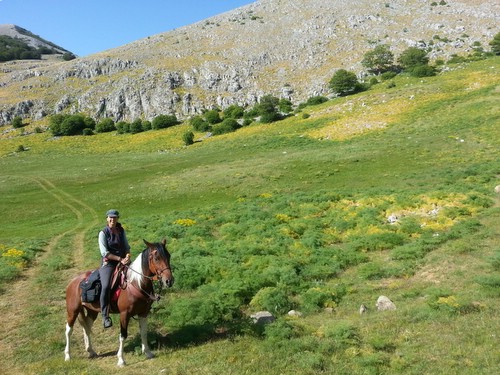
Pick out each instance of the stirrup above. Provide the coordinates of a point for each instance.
(107, 322)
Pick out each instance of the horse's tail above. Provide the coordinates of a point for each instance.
(85, 320)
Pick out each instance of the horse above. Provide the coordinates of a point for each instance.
(135, 299)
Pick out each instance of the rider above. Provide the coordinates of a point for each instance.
(114, 249)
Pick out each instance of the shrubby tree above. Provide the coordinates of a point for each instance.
(234, 111)
(378, 60)
(267, 109)
(73, 125)
(344, 82)
(146, 125)
(199, 124)
(164, 121)
(136, 126)
(122, 127)
(105, 125)
(495, 44)
(227, 125)
(412, 57)
(285, 106)
(17, 122)
(188, 138)
(212, 116)
(68, 56)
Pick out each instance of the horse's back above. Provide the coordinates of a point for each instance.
(73, 295)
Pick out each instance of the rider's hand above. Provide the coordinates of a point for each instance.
(125, 261)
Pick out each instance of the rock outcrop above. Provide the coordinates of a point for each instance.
(287, 49)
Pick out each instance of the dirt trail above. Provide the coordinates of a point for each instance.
(19, 296)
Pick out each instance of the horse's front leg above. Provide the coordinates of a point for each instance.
(124, 320)
(143, 325)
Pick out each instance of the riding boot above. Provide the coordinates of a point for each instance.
(106, 320)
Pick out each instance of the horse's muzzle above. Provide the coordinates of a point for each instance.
(167, 280)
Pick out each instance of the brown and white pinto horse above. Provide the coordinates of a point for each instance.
(134, 300)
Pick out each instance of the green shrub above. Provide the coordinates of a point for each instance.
(164, 121)
(272, 299)
(423, 71)
(228, 125)
(105, 125)
(344, 82)
(316, 100)
(136, 126)
(122, 127)
(17, 122)
(199, 124)
(212, 116)
(317, 298)
(234, 111)
(188, 138)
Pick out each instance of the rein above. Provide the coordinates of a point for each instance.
(154, 296)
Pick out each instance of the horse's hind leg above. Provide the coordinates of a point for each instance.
(87, 321)
(143, 325)
(69, 331)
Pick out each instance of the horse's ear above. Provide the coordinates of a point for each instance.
(147, 243)
(164, 242)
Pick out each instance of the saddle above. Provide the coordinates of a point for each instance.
(91, 285)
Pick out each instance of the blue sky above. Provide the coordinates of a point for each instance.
(89, 26)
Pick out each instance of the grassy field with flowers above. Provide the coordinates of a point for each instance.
(387, 192)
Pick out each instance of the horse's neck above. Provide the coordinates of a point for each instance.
(138, 275)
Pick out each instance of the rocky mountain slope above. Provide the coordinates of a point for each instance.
(284, 48)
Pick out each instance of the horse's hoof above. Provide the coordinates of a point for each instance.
(121, 363)
(149, 355)
(67, 358)
(92, 355)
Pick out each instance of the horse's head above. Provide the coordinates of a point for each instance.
(159, 262)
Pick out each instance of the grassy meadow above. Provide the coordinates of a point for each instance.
(387, 192)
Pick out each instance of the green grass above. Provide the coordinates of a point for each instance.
(286, 215)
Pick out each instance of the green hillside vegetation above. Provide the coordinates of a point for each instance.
(17, 49)
(389, 192)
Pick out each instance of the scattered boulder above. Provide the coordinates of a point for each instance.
(497, 189)
(363, 309)
(263, 317)
(295, 313)
(384, 303)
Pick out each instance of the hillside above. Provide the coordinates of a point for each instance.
(29, 41)
(287, 49)
(387, 192)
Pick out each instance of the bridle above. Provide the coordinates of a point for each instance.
(156, 276)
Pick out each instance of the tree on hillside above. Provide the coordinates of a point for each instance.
(213, 116)
(71, 124)
(495, 44)
(17, 122)
(344, 83)
(378, 60)
(199, 124)
(164, 121)
(234, 111)
(414, 60)
(105, 125)
(267, 109)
